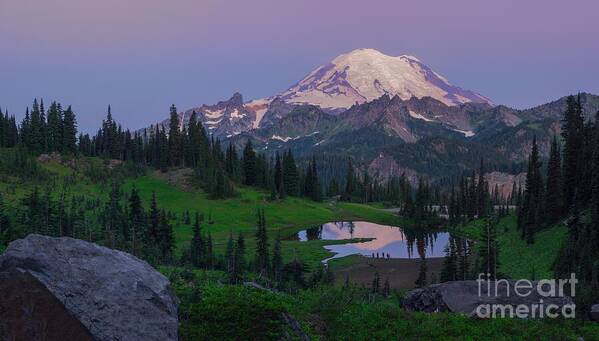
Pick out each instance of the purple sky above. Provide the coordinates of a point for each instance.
(142, 55)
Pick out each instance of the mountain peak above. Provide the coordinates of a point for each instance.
(365, 74)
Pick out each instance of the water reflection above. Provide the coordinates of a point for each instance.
(386, 241)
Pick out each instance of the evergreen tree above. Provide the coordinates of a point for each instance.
(137, 221)
(489, 249)
(197, 252)
(533, 195)
(152, 236)
(572, 126)
(449, 271)
(68, 144)
(290, 175)
(421, 281)
(113, 218)
(262, 260)
(174, 138)
(239, 259)
(349, 182)
(278, 176)
(554, 191)
(277, 261)
(166, 238)
(249, 164)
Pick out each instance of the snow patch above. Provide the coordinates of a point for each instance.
(235, 114)
(213, 114)
(418, 116)
(284, 139)
(467, 133)
(213, 122)
(260, 107)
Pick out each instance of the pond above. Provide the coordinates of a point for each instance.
(384, 241)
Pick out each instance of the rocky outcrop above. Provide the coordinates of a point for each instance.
(69, 289)
(466, 297)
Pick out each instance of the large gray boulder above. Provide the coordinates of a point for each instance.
(475, 300)
(64, 288)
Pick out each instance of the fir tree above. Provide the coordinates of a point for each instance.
(249, 164)
(261, 260)
(489, 249)
(554, 191)
(197, 252)
(137, 221)
(174, 138)
(290, 175)
(572, 126)
(166, 238)
(69, 132)
(277, 261)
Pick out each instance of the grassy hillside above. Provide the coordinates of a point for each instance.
(234, 215)
(516, 258)
(238, 215)
(212, 311)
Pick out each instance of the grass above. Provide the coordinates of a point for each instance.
(234, 215)
(211, 310)
(238, 215)
(517, 259)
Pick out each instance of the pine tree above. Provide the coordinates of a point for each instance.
(68, 144)
(278, 176)
(166, 237)
(113, 218)
(55, 129)
(174, 138)
(421, 281)
(152, 236)
(482, 190)
(554, 191)
(290, 175)
(449, 271)
(249, 164)
(277, 261)
(349, 182)
(489, 249)
(531, 211)
(137, 221)
(239, 259)
(572, 126)
(262, 260)
(197, 252)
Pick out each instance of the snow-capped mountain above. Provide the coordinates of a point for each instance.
(364, 75)
(358, 77)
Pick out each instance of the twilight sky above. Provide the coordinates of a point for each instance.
(140, 56)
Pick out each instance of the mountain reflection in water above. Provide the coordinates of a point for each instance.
(387, 241)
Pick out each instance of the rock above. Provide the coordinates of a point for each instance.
(595, 312)
(69, 289)
(463, 297)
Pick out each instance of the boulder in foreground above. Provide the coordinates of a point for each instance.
(464, 297)
(69, 289)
